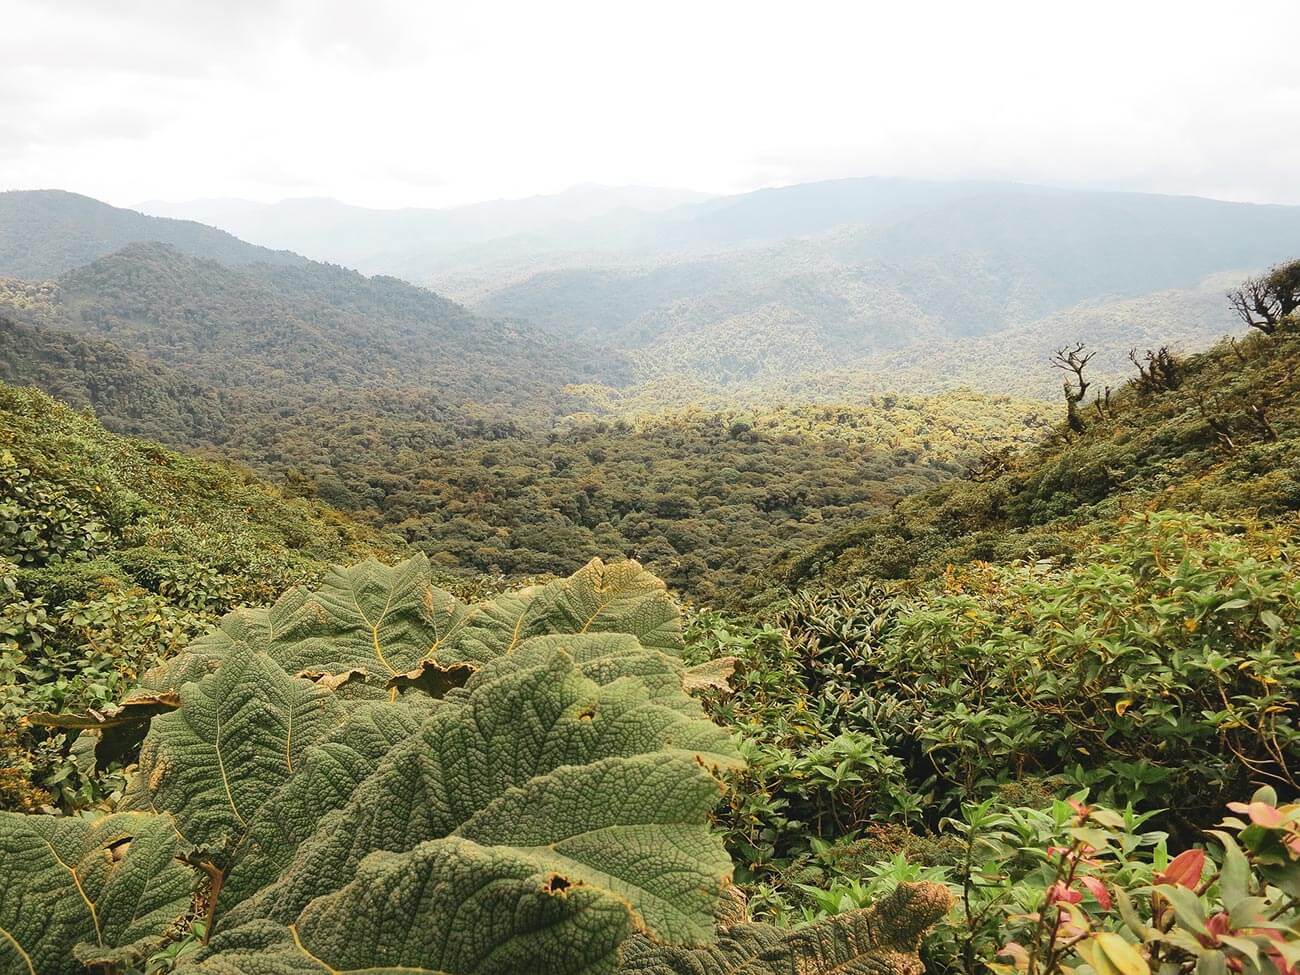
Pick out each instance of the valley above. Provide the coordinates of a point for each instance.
(762, 511)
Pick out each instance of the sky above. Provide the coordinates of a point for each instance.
(388, 104)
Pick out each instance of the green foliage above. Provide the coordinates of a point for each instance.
(544, 797)
(1157, 668)
(1103, 897)
(880, 941)
(83, 892)
(709, 500)
(113, 555)
(471, 438)
(1144, 451)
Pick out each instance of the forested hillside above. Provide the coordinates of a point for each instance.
(1213, 432)
(114, 553)
(708, 500)
(493, 446)
(867, 278)
(46, 232)
(271, 328)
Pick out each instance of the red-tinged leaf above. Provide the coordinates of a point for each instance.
(1059, 893)
(1183, 870)
(1098, 891)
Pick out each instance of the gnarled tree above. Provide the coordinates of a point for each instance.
(1073, 361)
(1266, 302)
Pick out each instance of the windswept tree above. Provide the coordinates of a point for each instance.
(1158, 370)
(1265, 302)
(1073, 361)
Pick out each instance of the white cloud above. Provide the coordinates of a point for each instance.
(428, 103)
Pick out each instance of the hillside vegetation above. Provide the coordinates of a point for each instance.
(874, 276)
(492, 446)
(114, 553)
(1110, 616)
(1222, 441)
(270, 329)
(707, 499)
(870, 285)
(982, 724)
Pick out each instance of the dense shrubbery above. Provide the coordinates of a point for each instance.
(1146, 450)
(113, 555)
(1068, 886)
(1158, 669)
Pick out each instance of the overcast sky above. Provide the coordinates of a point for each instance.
(429, 103)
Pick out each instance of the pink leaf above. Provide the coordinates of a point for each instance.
(1098, 890)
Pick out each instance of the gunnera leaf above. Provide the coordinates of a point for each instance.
(230, 745)
(323, 780)
(378, 620)
(601, 597)
(374, 775)
(880, 941)
(370, 629)
(601, 788)
(78, 891)
(446, 906)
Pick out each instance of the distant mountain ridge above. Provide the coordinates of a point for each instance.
(263, 328)
(381, 241)
(44, 233)
(851, 274)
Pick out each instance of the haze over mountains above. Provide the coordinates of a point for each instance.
(647, 297)
(781, 284)
(46, 232)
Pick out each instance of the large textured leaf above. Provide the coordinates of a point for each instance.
(599, 785)
(603, 657)
(377, 620)
(234, 740)
(376, 776)
(370, 628)
(447, 906)
(324, 778)
(81, 891)
(204, 655)
(880, 941)
(118, 729)
(601, 597)
(615, 597)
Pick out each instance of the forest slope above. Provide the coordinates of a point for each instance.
(274, 328)
(44, 233)
(857, 274)
(467, 434)
(1223, 439)
(114, 552)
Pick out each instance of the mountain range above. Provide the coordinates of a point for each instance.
(737, 292)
